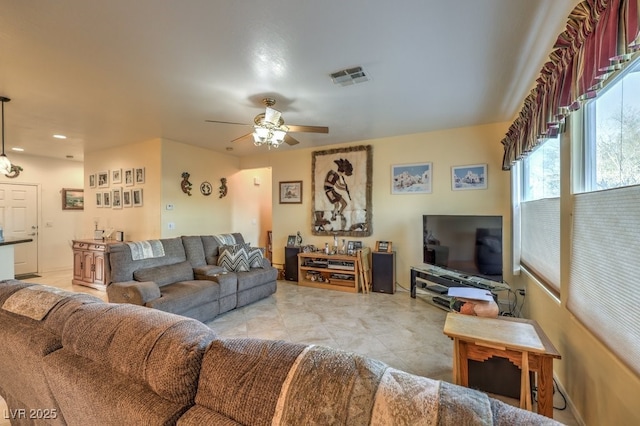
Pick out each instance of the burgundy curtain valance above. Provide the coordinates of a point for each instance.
(599, 38)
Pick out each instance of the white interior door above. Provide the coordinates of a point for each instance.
(19, 219)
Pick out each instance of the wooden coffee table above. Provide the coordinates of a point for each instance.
(521, 341)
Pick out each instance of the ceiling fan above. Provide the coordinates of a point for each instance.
(269, 128)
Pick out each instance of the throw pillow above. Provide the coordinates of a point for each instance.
(256, 254)
(234, 258)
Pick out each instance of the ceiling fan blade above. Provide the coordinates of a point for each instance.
(290, 140)
(248, 135)
(308, 129)
(227, 122)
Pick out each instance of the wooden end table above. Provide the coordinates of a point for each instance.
(521, 341)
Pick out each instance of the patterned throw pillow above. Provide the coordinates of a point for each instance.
(234, 258)
(256, 254)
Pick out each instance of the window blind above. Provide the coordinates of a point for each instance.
(604, 293)
(540, 239)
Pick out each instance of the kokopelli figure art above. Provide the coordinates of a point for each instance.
(334, 182)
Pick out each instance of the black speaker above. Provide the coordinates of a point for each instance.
(383, 272)
(291, 263)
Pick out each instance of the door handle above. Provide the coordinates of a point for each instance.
(33, 234)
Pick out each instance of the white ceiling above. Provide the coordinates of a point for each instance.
(108, 73)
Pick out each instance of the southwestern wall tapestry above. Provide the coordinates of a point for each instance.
(341, 185)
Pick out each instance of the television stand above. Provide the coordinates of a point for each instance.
(434, 280)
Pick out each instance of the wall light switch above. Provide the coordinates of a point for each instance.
(171, 225)
(169, 206)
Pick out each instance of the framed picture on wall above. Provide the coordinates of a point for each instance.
(411, 178)
(126, 198)
(103, 179)
(106, 199)
(129, 177)
(116, 176)
(72, 199)
(136, 195)
(469, 177)
(92, 180)
(116, 198)
(291, 192)
(139, 175)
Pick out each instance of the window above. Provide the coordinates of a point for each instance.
(612, 149)
(540, 213)
(541, 177)
(602, 287)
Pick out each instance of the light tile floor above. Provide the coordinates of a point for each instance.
(403, 332)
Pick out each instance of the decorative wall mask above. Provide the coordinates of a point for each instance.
(185, 184)
(223, 187)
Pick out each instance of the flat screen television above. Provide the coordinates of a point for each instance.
(470, 245)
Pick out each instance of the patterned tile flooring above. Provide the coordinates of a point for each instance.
(403, 332)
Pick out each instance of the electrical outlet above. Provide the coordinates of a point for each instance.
(172, 225)
(522, 292)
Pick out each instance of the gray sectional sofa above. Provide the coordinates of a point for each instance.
(72, 359)
(182, 276)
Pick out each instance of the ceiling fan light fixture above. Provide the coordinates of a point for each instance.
(5, 163)
(278, 135)
(272, 116)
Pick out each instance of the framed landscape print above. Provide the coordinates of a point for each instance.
(72, 199)
(469, 177)
(291, 192)
(411, 178)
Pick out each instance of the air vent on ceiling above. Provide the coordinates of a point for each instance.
(349, 76)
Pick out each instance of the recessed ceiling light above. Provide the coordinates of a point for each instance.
(17, 149)
(59, 136)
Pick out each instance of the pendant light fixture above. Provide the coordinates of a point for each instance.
(5, 164)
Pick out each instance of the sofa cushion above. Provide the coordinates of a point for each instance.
(256, 277)
(123, 266)
(166, 274)
(242, 378)
(161, 350)
(255, 255)
(184, 295)
(194, 250)
(234, 258)
(211, 245)
(203, 272)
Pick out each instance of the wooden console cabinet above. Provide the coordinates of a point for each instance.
(91, 263)
(333, 272)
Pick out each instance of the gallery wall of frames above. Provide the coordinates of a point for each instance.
(118, 188)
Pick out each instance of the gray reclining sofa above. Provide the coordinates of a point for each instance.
(182, 275)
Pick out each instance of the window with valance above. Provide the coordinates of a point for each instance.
(599, 39)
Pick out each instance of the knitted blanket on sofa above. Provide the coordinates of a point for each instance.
(260, 382)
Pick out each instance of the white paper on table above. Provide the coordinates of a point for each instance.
(470, 293)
